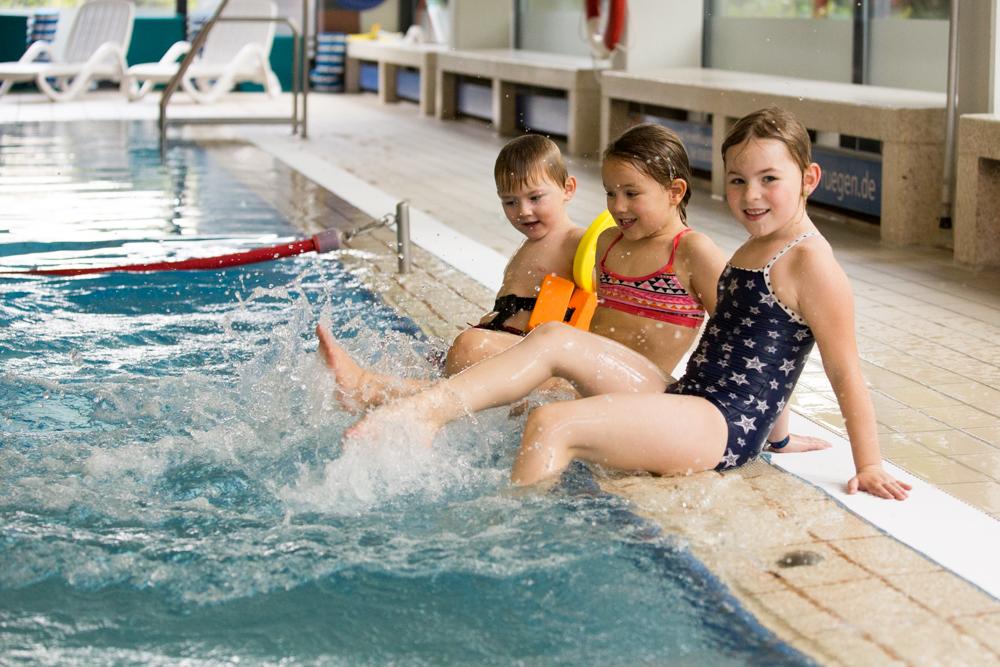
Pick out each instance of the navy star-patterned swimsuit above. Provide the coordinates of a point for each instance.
(749, 358)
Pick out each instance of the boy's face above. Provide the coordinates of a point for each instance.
(538, 206)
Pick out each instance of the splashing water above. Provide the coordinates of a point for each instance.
(173, 490)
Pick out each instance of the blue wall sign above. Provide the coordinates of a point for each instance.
(850, 180)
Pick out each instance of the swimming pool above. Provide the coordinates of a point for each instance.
(172, 488)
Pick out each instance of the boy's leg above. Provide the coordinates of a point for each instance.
(473, 345)
(658, 433)
(592, 363)
(358, 387)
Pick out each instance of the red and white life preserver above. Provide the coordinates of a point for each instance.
(602, 44)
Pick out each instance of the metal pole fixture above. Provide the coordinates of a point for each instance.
(403, 235)
(948, 176)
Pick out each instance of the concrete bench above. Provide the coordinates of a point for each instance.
(977, 191)
(390, 56)
(909, 123)
(508, 68)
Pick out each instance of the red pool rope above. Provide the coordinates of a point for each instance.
(322, 242)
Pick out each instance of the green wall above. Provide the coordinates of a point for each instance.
(152, 36)
(13, 34)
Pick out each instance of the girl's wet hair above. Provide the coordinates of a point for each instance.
(656, 151)
(524, 159)
(772, 123)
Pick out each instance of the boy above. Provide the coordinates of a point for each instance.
(534, 188)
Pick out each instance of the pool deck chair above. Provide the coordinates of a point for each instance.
(234, 52)
(94, 50)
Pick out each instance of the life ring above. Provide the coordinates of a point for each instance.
(586, 251)
(602, 44)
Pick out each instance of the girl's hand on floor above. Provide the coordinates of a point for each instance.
(803, 443)
(872, 479)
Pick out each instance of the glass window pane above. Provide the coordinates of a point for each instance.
(914, 9)
(787, 9)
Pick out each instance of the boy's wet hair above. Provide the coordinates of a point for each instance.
(524, 159)
(773, 123)
(656, 151)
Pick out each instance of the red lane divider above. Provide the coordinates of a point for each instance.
(319, 243)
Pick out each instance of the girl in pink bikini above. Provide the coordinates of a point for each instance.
(644, 304)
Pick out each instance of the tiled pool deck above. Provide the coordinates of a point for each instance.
(928, 336)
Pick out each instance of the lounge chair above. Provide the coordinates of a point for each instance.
(233, 52)
(94, 50)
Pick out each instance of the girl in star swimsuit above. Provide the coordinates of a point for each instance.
(655, 276)
(781, 292)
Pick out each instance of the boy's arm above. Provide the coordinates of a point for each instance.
(824, 299)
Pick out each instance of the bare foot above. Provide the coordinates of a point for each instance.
(350, 377)
(803, 443)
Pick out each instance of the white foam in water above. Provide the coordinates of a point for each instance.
(392, 465)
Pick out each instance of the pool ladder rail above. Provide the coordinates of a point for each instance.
(300, 82)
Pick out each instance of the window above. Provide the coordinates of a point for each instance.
(784, 9)
(895, 43)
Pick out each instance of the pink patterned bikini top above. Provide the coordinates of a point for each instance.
(658, 296)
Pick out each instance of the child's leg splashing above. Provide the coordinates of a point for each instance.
(357, 387)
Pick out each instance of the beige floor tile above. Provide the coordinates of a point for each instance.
(984, 495)
(807, 618)
(934, 643)
(984, 627)
(879, 555)
(919, 397)
(812, 399)
(945, 594)
(968, 391)
(879, 400)
(902, 445)
(830, 569)
(909, 420)
(880, 378)
(828, 526)
(815, 381)
(938, 469)
(756, 581)
(953, 443)
(989, 464)
(852, 646)
(990, 434)
(862, 602)
(962, 416)
(832, 419)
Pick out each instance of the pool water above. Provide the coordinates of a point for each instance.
(172, 485)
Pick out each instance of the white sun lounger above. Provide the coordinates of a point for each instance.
(234, 52)
(94, 50)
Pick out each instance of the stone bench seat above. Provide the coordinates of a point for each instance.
(909, 123)
(977, 195)
(390, 55)
(508, 68)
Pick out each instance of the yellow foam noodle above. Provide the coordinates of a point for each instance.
(586, 251)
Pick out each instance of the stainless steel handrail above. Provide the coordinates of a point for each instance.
(300, 83)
